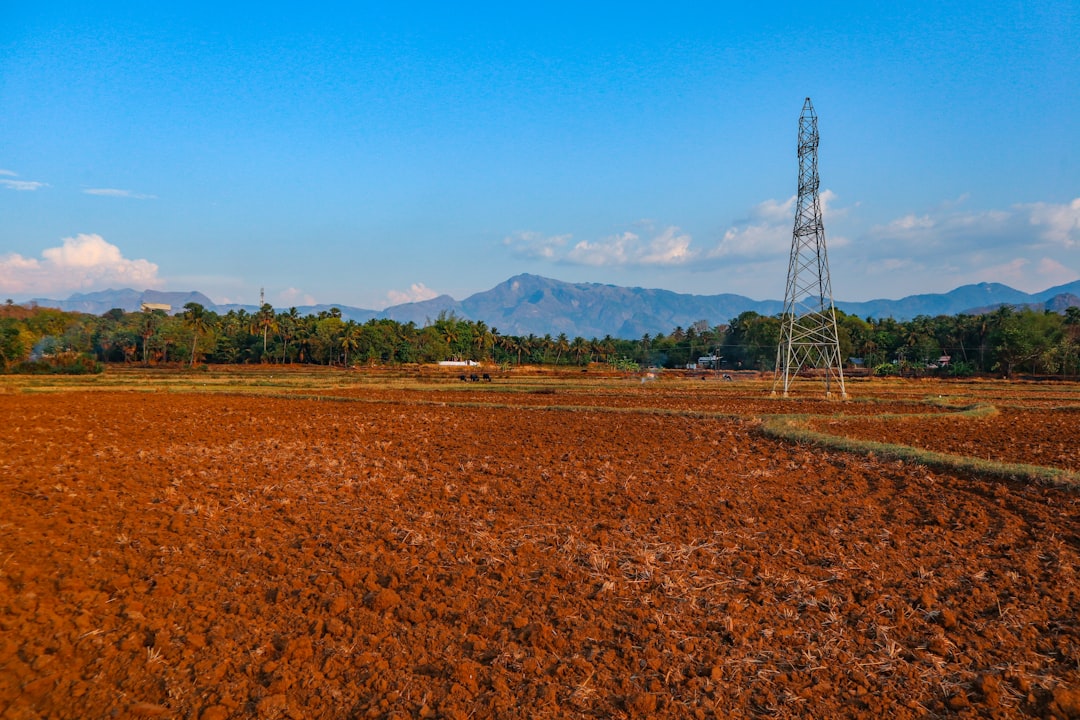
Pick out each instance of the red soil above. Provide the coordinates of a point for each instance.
(194, 556)
(1048, 437)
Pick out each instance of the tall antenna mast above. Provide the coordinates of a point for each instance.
(808, 335)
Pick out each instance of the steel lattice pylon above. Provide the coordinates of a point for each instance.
(808, 336)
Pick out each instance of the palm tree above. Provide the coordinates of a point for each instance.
(480, 337)
(287, 325)
(148, 325)
(495, 340)
(303, 338)
(266, 321)
(195, 319)
(450, 335)
(350, 339)
(547, 345)
(561, 345)
(607, 347)
(529, 344)
(579, 347)
(511, 345)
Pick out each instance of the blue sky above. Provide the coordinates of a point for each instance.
(368, 155)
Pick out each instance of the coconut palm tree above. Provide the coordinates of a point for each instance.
(480, 338)
(579, 347)
(195, 319)
(350, 339)
(511, 345)
(561, 345)
(148, 325)
(266, 321)
(530, 343)
(287, 323)
(495, 339)
(450, 335)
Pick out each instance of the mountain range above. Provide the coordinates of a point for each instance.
(527, 304)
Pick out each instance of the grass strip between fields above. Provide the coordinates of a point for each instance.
(795, 428)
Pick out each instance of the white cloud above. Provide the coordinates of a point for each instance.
(81, 263)
(417, 292)
(775, 211)
(536, 245)
(1025, 247)
(1052, 273)
(767, 231)
(295, 296)
(1059, 223)
(613, 250)
(910, 223)
(1029, 247)
(758, 240)
(114, 192)
(24, 185)
(948, 229)
(668, 247)
(21, 184)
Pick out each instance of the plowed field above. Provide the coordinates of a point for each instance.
(1049, 436)
(406, 554)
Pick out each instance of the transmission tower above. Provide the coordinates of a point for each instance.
(808, 336)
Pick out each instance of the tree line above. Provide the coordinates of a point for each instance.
(1006, 341)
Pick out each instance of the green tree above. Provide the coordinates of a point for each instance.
(578, 348)
(266, 321)
(562, 345)
(481, 337)
(327, 339)
(195, 319)
(510, 344)
(16, 342)
(287, 324)
(350, 339)
(149, 321)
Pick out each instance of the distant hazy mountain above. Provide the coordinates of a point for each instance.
(530, 304)
(129, 300)
(1072, 288)
(1058, 303)
(962, 299)
(425, 310)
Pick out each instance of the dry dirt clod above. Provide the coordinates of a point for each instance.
(1067, 700)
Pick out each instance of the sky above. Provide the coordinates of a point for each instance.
(369, 154)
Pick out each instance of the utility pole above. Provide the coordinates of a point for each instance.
(808, 336)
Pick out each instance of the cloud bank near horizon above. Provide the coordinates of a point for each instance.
(1029, 246)
(81, 263)
(1021, 246)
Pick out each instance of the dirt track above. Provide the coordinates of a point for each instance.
(195, 556)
